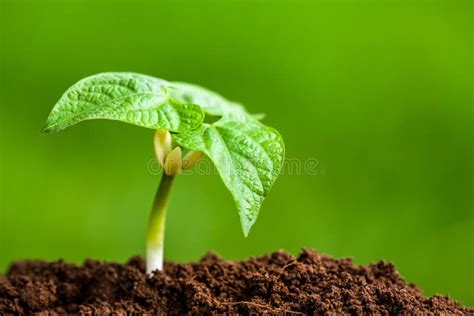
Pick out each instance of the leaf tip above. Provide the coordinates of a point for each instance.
(246, 226)
(45, 129)
(259, 116)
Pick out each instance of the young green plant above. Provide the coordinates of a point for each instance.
(247, 154)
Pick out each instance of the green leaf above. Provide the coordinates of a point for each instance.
(128, 97)
(248, 156)
(211, 102)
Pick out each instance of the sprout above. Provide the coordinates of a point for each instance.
(247, 154)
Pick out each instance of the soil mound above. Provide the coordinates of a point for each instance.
(277, 283)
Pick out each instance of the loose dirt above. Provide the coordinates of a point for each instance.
(276, 284)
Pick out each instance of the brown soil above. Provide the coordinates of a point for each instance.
(276, 284)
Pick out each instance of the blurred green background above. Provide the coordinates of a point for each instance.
(379, 92)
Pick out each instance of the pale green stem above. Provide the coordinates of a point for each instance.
(156, 226)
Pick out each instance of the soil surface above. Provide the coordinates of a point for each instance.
(276, 284)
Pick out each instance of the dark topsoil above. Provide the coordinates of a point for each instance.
(276, 284)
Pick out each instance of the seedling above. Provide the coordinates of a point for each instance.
(247, 154)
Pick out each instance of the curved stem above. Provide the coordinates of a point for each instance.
(156, 226)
